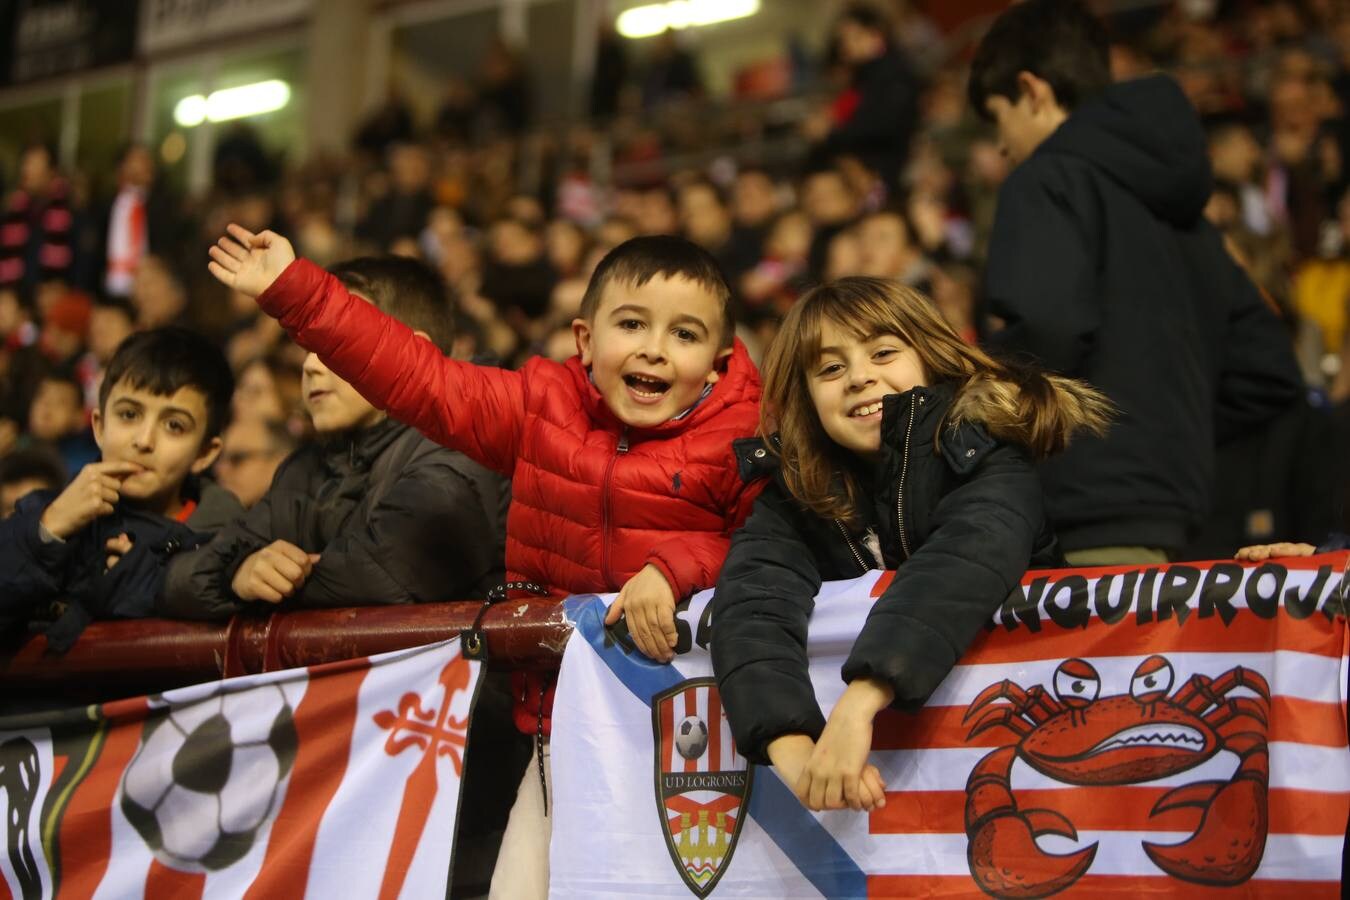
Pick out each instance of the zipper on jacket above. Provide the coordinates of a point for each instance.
(904, 470)
(605, 515)
(852, 547)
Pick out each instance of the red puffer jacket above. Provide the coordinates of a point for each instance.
(593, 501)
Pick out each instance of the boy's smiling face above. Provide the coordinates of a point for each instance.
(652, 349)
(164, 434)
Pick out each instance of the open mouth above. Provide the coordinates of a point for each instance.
(645, 386)
(866, 409)
(1179, 737)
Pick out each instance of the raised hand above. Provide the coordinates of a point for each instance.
(250, 262)
(273, 573)
(648, 604)
(91, 494)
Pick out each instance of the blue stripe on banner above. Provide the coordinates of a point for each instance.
(777, 810)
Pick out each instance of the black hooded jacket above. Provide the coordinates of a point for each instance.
(958, 515)
(70, 582)
(394, 517)
(1104, 269)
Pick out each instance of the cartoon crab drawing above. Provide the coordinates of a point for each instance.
(1083, 739)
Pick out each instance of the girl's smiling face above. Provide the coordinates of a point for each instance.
(850, 378)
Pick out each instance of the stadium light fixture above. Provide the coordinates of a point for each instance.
(232, 103)
(654, 18)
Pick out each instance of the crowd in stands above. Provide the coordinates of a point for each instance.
(481, 234)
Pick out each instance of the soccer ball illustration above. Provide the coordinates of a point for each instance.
(691, 737)
(206, 775)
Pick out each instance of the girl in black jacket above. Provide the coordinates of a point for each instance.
(898, 446)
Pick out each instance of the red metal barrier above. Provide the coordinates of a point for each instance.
(140, 655)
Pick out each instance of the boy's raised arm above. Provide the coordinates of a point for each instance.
(475, 409)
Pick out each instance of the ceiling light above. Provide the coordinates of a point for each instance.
(655, 18)
(232, 103)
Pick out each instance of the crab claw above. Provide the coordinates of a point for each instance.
(1227, 847)
(1006, 862)
(1003, 856)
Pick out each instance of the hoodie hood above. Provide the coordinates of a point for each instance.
(1145, 135)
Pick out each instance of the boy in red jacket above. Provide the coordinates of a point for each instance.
(623, 472)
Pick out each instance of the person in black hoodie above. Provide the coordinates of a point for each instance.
(898, 446)
(1102, 267)
(373, 513)
(875, 117)
(98, 549)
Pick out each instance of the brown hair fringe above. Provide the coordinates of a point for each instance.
(1016, 403)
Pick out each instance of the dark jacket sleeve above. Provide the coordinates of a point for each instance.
(30, 571)
(429, 538)
(1039, 277)
(761, 609)
(197, 583)
(981, 543)
(1259, 376)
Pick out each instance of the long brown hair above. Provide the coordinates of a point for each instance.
(1017, 404)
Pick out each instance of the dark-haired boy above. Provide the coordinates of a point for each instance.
(371, 513)
(1103, 268)
(624, 474)
(99, 546)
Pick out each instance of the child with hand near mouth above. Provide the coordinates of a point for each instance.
(624, 477)
(100, 545)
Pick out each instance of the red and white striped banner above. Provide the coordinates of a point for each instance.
(337, 780)
(1175, 730)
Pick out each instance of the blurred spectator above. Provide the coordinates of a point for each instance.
(158, 294)
(240, 164)
(402, 211)
(1322, 284)
(517, 277)
(268, 389)
(705, 220)
(24, 471)
(831, 206)
(670, 74)
(609, 73)
(875, 117)
(390, 124)
(1236, 158)
(252, 449)
(780, 275)
(887, 249)
(503, 91)
(39, 230)
(140, 219)
(454, 118)
(56, 418)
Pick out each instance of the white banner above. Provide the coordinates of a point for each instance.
(1040, 764)
(340, 780)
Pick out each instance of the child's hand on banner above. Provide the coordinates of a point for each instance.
(250, 262)
(838, 774)
(647, 603)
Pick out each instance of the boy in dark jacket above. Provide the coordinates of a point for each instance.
(1103, 268)
(373, 513)
(99, 547)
